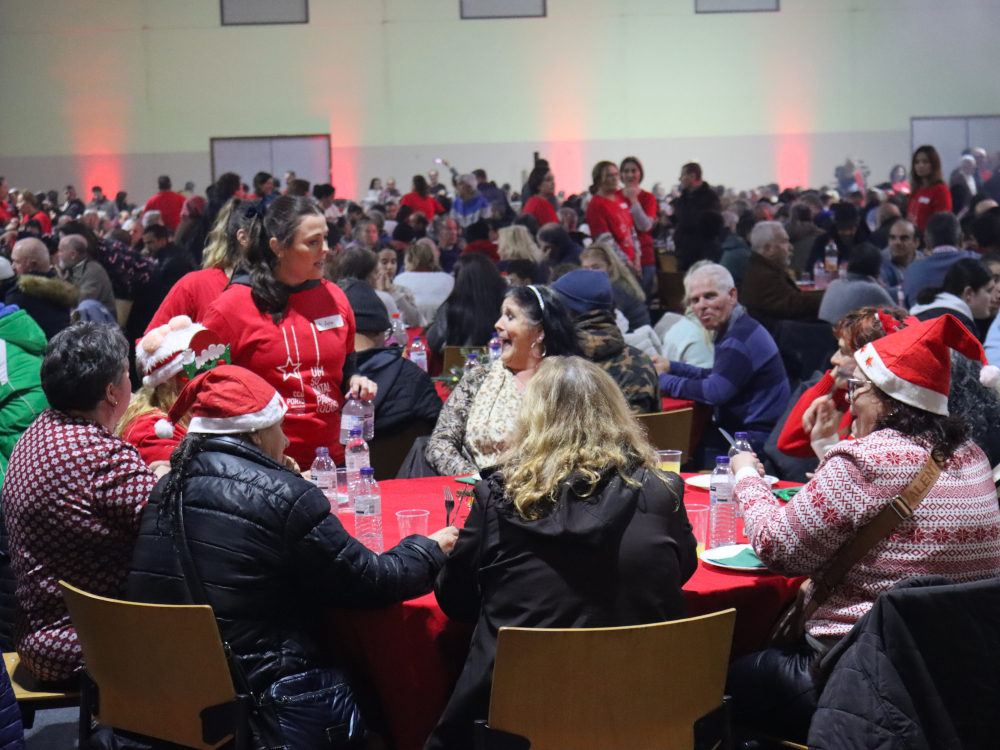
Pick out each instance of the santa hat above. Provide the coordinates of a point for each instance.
(914, 364)
(163, 352)
(225, 400)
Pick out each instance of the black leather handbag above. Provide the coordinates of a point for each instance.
(313, 710)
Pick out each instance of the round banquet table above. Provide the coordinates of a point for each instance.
(410, 655)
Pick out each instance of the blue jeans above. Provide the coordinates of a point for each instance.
(648, 274)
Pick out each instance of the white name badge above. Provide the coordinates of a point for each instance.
(331, 321)
(923, 199)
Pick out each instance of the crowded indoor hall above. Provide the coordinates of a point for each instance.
(653, 397)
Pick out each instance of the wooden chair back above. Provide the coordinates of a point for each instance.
(639, 687)
(669, 430)
(671, 291)
(456, 356)
(387, 453)
(156, 667)
(667, 263)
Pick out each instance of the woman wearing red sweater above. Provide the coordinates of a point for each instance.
(294, 328)
(542, 185)
(608, 213)
(643, 206)
(421, 200)
(929, 193)
(822, 415)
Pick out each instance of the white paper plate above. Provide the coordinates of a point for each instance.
(704, 480)
(717, 557)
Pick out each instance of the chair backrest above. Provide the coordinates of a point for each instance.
(388, 452)
(639, 687)
(456, 356)
(671, 290)
(669, 430)
(667, 263)
(156, 667)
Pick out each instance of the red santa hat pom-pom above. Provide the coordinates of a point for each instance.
(164, 429)
(990, 376)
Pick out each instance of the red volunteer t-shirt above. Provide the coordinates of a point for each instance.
(926, 202)
(302, 357)
(612, 216)
(44, 220)
(141, 432)
(649, 206)
(541, 209)
(191, 296)
(169, 204)
(428, 205)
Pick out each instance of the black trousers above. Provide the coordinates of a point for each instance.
(773, 691)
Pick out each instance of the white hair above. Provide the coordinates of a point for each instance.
(764, 233)
(720, 276)
(469, 180)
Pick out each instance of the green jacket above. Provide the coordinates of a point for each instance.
(603, 344)
(22, 345)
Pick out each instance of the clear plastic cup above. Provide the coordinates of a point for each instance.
(669, 461)
(412, 522)
(698, 516)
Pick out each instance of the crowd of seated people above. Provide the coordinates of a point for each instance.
(107, 305)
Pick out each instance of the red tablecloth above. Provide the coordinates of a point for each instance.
(412, 654)
(676, 404)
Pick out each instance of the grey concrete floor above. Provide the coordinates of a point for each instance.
(55, 729)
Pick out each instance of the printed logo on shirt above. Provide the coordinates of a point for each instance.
(331, 321)
(923, 199)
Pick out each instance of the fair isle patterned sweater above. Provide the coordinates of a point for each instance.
(954, 533)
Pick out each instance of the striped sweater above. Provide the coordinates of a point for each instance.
(747, 384)
(954, 533)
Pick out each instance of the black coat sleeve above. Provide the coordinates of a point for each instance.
(340, 571)
(457, 588)
(349, 371)
(682, 532)
(427, 403)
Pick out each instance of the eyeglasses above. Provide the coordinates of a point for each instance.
(855, 387)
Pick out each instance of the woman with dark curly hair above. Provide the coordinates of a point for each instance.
(474, 426)
(903, 427)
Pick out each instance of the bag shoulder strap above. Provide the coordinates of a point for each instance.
(880, 527)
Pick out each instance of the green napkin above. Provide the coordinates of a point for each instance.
(745, 558)
(786, 494)
(467, 480)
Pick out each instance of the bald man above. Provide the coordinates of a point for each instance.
(39, 291)
(85, 273)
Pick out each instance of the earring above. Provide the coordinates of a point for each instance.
(543, 347)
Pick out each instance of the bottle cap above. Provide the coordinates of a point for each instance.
(722, 460)
(740, 435)
(416, 339)
(367, 471)
(395, 315)
(356, 432)
(473, 355)
(322, 451)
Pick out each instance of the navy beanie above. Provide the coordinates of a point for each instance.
(370, 315)
(585, 290)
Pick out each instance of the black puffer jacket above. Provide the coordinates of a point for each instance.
(270, 555)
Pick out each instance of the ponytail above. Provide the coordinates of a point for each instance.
(928, 294)
(180, 459)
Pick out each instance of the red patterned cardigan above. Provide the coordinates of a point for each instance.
(71, 503)
(954, 533)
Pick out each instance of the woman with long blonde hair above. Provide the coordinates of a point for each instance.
(576, 528)
(629, 297)
(236, 228)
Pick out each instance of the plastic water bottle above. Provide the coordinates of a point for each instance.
(356, 457)
(742, 446)
(831, 259)
(472, 362)
(418, 353)
(352, 415)
(495, 348)
(399, 330)
(820, 280)
(368, 511)
(723, 513)
(368, 409)
(323, 474)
